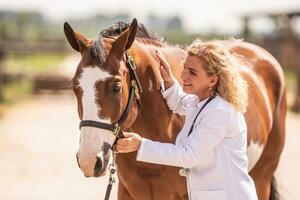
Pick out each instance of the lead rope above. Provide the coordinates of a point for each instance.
(112, 180)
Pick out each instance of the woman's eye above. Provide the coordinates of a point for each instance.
(192, 72)
(117, 88)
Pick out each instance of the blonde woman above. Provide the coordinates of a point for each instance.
(211, 147)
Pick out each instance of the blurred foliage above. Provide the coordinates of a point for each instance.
(21, 69)
(184, 39)
(14, 91)
(27, 25)
(32, 64)
(178, 37)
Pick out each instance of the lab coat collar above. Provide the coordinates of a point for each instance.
(200, 103)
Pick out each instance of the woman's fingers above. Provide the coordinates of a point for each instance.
(160, 57)
(164, 73)
(125, 142)
(121, 146)
(130, 143)
(164, 66)
(120, 149)
(125, 148)
(162, 60)
(165, 70)
(128, 134)
(121, 142)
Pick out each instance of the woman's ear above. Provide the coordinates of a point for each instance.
(213, 81)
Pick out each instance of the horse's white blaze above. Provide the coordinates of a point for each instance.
(254, 152)
(87, 81)
(92, 139)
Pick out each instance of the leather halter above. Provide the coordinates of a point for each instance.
(134, 91)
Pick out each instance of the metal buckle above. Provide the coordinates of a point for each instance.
(184, 172)
(136, 89)
(116, 129)
(130, 62)
(112, 169)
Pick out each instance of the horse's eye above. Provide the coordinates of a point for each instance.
(117, 88)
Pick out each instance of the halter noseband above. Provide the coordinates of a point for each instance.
(135, 91)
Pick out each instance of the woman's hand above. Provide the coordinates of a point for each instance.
(165, 70)
(130, 143)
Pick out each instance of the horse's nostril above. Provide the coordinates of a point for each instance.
(98, 167)
(77, 160)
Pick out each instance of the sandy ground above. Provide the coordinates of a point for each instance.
(39, 139)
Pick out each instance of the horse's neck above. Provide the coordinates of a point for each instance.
(155, 120)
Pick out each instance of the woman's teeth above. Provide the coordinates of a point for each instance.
(187, 84)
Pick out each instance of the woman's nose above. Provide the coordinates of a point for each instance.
(182, 76)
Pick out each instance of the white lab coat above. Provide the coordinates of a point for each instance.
(215, 152)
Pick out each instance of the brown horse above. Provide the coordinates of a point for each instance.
(103, 84)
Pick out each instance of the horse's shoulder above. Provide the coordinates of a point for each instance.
(258, 65)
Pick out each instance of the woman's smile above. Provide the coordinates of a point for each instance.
(186, 84)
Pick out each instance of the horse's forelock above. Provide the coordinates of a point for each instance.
(98, 50)
(100, 53)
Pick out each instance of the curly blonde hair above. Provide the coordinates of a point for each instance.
(218, 60)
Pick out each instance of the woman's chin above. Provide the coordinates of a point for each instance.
(187, 89)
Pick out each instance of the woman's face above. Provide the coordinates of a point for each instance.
(195, 79)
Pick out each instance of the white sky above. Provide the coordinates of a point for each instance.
(197, 15)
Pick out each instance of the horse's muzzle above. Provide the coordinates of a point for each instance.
(97, 170)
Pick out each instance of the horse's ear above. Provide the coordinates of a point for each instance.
(125, 40)
(133, 28)
(76, 40)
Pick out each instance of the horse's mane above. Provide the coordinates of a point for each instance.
(98, 51)
(119, 27)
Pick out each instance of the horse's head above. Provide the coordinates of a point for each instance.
(101, 85)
